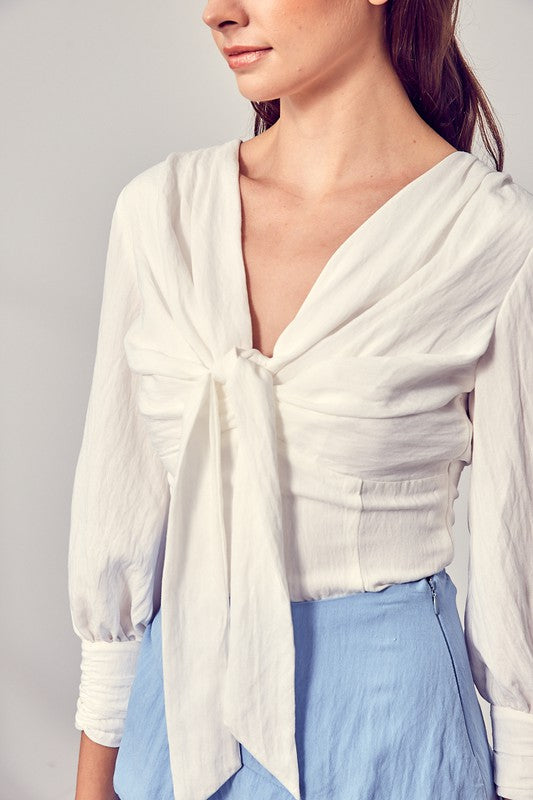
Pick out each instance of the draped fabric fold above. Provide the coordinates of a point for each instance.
(243, 681)
(261, 647)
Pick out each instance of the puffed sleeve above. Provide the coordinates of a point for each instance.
(119, 506)
(499, 602)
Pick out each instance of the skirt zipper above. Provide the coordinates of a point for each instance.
(431, 582)
(433, 595)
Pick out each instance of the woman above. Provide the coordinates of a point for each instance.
(303, 339)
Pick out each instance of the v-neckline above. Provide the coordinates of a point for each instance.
(336, 255)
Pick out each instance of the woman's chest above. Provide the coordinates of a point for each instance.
(286, 244)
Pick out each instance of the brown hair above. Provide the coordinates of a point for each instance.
(442, 87)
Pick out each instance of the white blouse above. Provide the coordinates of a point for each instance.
(218, 483)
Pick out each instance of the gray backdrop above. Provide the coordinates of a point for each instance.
(93, 93)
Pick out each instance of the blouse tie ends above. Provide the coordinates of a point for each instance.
(240, 636)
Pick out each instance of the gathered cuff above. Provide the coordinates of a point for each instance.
(107, 673)
(512, 739)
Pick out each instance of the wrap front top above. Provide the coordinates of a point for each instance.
(218, 483)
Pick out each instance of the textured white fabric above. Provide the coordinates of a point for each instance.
(219, 483)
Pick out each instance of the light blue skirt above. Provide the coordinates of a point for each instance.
(385, 706)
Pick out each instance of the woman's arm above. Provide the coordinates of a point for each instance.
(96, 764)
(499, 603)
(118, 516)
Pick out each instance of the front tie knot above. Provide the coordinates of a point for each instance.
(223, 366)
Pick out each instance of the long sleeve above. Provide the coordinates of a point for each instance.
(499, 603)
(119, 507)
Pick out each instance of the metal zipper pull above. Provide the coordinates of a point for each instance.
(434, 595)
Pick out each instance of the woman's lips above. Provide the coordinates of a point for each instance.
(249, 57)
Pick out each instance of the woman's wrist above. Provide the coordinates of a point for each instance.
(96, 767)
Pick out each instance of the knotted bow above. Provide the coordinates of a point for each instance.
(232, 621)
